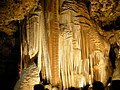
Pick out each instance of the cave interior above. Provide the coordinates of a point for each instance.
(42, 40)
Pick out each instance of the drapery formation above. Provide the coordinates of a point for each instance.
(70, 51)
(52, 26)
(83, 54)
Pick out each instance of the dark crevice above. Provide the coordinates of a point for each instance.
(2, 2)
(9, 57)
(113, 25)
(88, 5)
(112, 54)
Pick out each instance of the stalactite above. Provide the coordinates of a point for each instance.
(43, 45)
(31, 46)
(70, 46)
(70, 50)
(20, 65)
(52, 26)
(25, 51)
(32, 35)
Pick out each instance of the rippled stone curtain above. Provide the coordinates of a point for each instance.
(52, 25)
(70, 50)
(83, 53)
(43, 55)
(30, 32)
(40, 36)
(73, 44)
(30, 39)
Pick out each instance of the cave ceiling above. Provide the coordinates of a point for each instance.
(105, 13)
(13, 10)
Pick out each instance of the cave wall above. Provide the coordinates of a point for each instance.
(11, 11)
(9, 59)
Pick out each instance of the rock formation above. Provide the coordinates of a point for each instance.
(72, 42)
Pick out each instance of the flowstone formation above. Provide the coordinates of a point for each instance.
(29, 77)
(70, 51)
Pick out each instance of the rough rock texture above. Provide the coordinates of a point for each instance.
(15, 10)
(106, 14)
(29, 77)
(104, 11)
(9, 29)
(116, 72)
(10, 12)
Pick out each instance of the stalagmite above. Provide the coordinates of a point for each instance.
(29, 77)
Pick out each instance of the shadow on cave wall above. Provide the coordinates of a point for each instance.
(9, 57)
(113, 25)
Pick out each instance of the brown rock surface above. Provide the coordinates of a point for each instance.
(15, 10)
(104, 11)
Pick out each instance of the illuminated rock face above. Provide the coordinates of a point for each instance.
(52, 25)
(82, 51)
(29, 77)
(72, 52)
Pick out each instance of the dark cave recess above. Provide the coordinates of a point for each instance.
(113, 25)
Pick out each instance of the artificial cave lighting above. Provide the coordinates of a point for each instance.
(68, 49)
